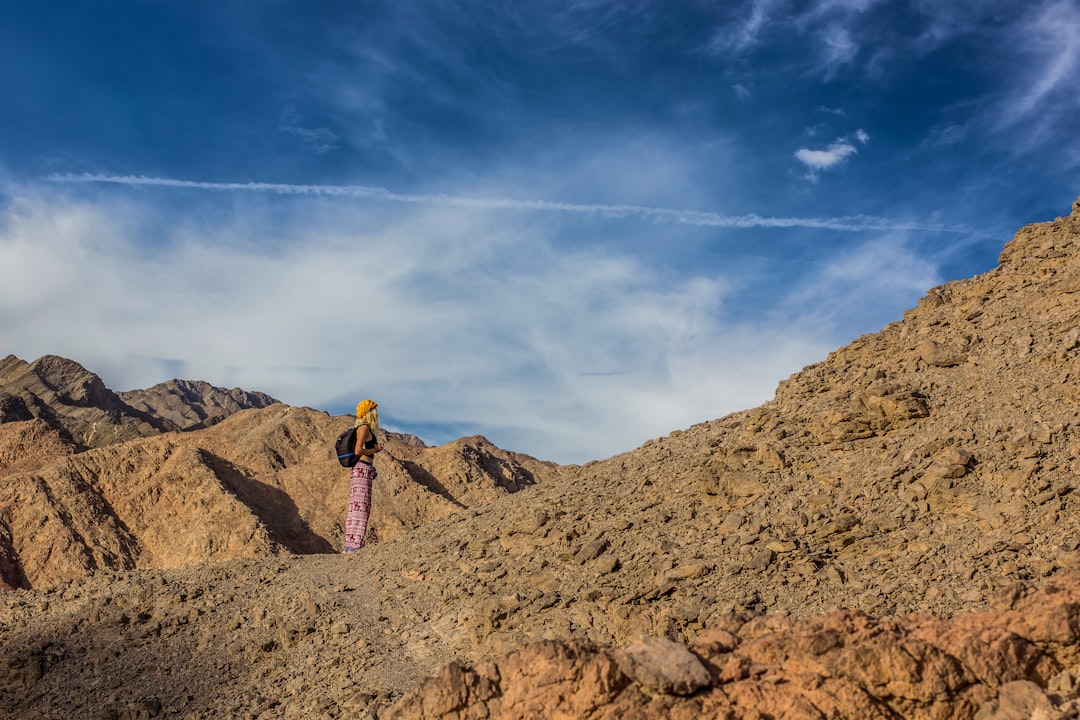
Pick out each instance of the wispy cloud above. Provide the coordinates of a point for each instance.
(320, 140)
(555, 229)
(815, 159)
(834, 154)
(568, 354)
(1052, 37)
(839, 48)
(1030, 93)
(883, 270)
(829, 22)
(738, 36)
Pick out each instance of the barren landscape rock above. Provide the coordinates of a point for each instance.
(261, 483)
(12, 408)
(663, 666)
(189, 404)
(70, 397)
(843, 665)
(941, 354)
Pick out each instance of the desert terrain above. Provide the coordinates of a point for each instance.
(894, 534)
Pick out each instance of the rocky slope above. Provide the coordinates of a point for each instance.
(866, 544)
(261, 482)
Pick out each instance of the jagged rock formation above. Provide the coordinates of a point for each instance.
(929, 468)
(71, 398)
(64, 512)
(192, 404)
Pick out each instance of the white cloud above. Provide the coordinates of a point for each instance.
(821, 158)
(465, 320)
(835, 25)
(850, 289)
(471, 319)
(838, 48)
(1037, 46)
(1052, 40)
(841, 7)
(862, 136)
(817, 160)
(746, 33)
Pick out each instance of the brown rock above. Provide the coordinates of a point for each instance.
(1018, 700)
(846, 664)
(545, 680)
(74, 400)
(889, 405)
(941, 354)
(189, 404)
(663, 666)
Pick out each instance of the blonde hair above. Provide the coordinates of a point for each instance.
(371, 419)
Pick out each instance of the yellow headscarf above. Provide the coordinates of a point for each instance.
(364, 407)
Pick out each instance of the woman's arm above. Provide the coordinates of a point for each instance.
(363, 434)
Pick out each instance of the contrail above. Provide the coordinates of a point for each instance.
(850, 223)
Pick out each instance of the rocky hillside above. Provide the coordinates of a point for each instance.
(261, 482)
(891, 536)
(71, 399)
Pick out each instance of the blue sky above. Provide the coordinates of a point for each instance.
(568, 226)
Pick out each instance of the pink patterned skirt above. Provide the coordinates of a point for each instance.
(356, 522)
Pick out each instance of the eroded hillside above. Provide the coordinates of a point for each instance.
(260, 482)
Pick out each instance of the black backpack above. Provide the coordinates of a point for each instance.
(345, 448)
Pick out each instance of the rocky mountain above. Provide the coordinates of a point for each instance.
(893, 535)
(261, 482)
(191, 404)
(72, 399)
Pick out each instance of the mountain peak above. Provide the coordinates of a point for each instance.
(190, 404)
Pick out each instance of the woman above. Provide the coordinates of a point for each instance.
(361, 475)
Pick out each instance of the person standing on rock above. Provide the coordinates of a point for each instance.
(361, 475)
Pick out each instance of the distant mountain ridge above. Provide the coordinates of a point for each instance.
(192, 404)
(67, 395)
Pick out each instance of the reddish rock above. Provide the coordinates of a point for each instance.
(844, 665)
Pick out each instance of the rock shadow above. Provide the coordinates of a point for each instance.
(273, 506)
(423, 477)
